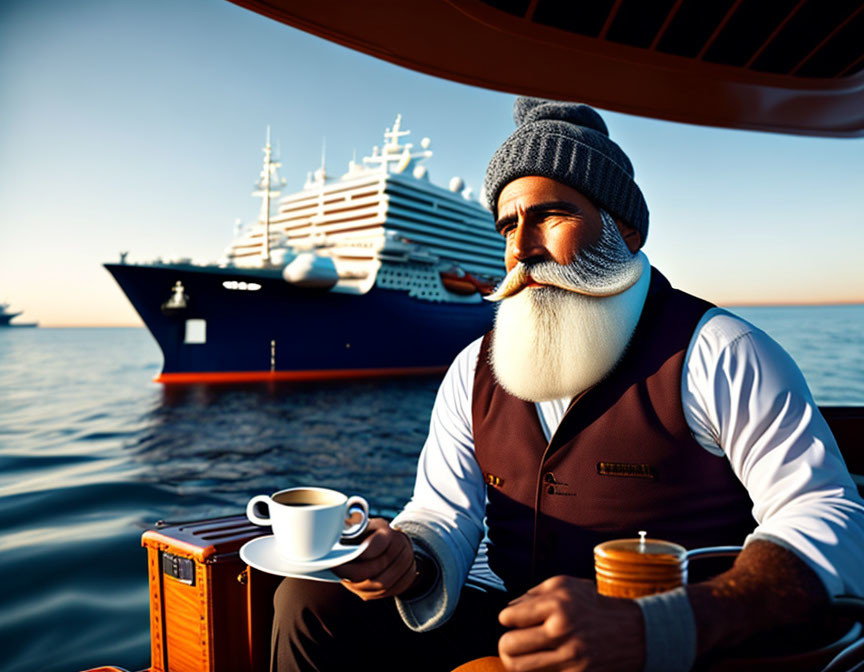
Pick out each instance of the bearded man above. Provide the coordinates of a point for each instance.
(604, 402)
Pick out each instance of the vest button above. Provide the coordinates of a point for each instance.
(551, 489)
(549, 477)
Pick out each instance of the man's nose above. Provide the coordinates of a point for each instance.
(528, 243)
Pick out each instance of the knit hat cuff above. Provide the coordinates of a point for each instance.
(577, 164)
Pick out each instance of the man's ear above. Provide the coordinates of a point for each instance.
(630, 235)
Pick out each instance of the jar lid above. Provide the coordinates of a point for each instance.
(642, 550)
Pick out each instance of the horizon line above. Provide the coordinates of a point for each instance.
(722, 304)
(787, 304)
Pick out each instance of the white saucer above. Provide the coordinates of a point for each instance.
(262, 553)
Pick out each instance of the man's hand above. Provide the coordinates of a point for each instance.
(563, 624)
(385, 568)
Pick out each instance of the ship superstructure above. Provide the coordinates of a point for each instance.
(375, 272)
(381, 208)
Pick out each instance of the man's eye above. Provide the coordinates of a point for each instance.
(505, 229)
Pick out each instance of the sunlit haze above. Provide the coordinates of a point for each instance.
(138, 126)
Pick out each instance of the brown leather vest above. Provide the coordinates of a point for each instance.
(622, 459)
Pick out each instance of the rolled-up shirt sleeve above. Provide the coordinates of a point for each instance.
(444, 517)
(744, 397)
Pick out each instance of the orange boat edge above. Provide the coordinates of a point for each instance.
(186, 378)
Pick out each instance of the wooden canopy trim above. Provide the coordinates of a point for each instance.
(471, 42)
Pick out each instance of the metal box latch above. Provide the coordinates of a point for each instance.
(182, 569)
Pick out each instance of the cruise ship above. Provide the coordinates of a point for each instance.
(376, 272)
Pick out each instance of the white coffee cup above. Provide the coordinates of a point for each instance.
(307, 522)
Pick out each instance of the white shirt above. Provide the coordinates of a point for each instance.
(743, 398)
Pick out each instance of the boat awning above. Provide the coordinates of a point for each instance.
(789, 66)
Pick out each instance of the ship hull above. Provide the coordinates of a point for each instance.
(6, 320)
(283, 332)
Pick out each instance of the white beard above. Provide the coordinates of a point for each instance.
(550, 343)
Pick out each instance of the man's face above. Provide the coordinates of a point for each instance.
(573, 293)
(544, 220)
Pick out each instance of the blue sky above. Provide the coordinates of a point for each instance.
(138, 126)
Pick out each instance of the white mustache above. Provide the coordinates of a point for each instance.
(550, 274)
(605, 269)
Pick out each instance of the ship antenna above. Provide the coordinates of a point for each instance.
(396, 157)
(397, 132)
(269, 179)
(265, 203)
(392, 152)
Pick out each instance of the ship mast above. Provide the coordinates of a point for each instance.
(269, 186)
(396, 157)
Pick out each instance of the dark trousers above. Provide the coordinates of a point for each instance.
(322, 626)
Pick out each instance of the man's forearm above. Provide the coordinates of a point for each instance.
(768, 587)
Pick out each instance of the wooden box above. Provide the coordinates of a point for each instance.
(209, 612)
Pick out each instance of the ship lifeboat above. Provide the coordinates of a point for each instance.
(461, 282)
(458, 284)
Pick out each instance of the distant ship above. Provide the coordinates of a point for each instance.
(378, 272)
(6, 318)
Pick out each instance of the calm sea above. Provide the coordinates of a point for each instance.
(92, 453)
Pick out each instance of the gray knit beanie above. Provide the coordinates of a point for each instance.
(569, 143)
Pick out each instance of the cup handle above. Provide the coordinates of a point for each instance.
(355, 504)
(250, 509)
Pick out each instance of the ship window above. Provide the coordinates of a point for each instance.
(196, 332)
(241, 285)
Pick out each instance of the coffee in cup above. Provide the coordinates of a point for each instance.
(307, 522)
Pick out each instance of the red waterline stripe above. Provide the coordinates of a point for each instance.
(263, 376)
